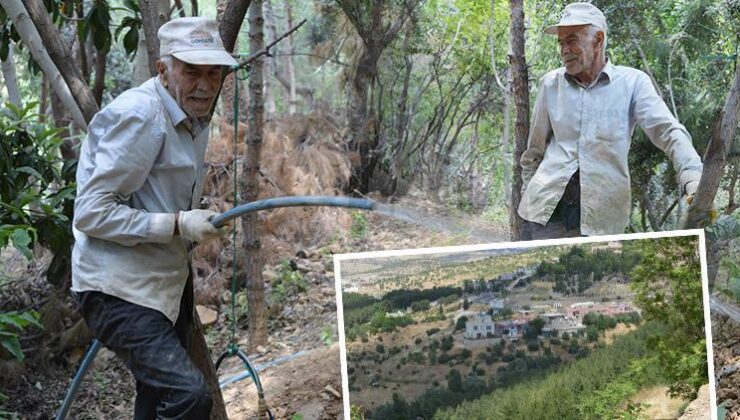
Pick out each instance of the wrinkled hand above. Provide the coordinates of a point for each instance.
(196, 226)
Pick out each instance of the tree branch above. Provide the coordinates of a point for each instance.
(32, 40)
(715, 158)
(60, 55)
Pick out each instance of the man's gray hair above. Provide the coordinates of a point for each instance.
(592, 31)
(168, 61)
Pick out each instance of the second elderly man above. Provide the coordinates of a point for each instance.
(575, 175)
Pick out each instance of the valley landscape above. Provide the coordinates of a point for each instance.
(444, 335)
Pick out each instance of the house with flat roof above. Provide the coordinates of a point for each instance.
(479, 326)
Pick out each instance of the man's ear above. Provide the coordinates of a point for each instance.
(162, 70)
(599, 39)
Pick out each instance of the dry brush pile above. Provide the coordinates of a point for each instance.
(301, 155)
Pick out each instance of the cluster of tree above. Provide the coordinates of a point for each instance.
(603, 322)
(667, 286)
(553, 395)
(365, 314)
(576, 270)
(465, 388)
(403, 298)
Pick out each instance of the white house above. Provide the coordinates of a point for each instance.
(497, 305)
(479, 326)
(559, 325)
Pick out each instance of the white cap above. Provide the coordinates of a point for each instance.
(576, 14)
(194, 40)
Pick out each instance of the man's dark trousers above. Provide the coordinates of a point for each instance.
(565, 221)
(168, 385)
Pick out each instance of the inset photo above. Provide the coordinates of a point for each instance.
(587, 328)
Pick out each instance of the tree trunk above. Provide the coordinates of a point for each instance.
(32, 40)
(99, 83)
(731, 191)
(269, 68)
(362, 140)
(377, 24)
(81, 47)
(250, 188)
(228, 88)
(203, 360)
(44, 99)
(11, 82)
(520, 79)
(231, 22)
(140, 73)
(61, 117)
(715, 158)
(60, 54)
(154, 13)
(289, 61)
(506, 145)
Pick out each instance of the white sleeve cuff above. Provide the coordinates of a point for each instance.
(161, 227)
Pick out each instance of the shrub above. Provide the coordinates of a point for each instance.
(533, 345)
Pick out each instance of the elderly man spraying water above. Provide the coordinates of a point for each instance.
(139, 183)
(575, 175)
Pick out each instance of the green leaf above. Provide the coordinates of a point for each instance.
(131, 40)
(11, 343)
(21, 241)
(30, 171)
(16, 37)
(5, 45)
(19, 320)
(29, 318)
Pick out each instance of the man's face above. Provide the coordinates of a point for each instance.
(579, 49)
(194, 87)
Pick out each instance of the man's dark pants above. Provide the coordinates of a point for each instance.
(565, 221)
(168, 385)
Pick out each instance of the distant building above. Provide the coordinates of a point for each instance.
(614, 246)
(399, 313)
(579, 310)
(497, 305)
(479, 326)
(541, 308)
(558, 323)
(512, 327)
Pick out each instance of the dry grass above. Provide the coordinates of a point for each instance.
(301, 155)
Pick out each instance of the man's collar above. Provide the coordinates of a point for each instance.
(177, 115)
(607, 72)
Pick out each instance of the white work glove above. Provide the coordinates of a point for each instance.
(196, 226)
(690, 190)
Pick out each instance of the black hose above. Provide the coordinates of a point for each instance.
(309, 200)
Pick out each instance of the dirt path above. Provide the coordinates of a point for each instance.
(699, 408)
(308, 386)
(660, 405)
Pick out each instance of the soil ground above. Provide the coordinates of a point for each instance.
(659, 404)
